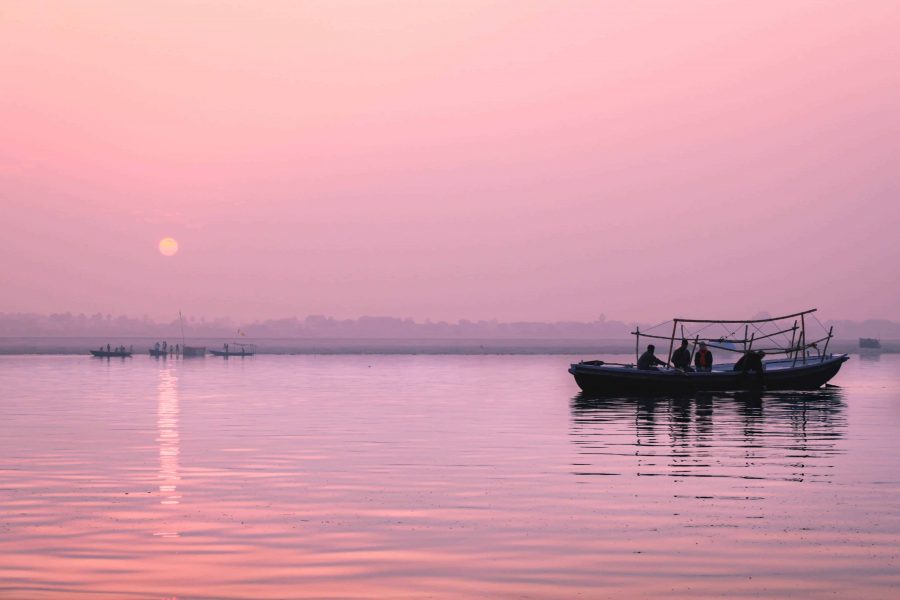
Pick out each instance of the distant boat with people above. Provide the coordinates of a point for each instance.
(800, 364)
(235, 349)
(164, 349)
(117, 352)
(189, 351)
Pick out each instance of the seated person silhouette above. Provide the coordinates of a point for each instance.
(681, 358)
(648, 360)
(703, 360)
(751, 362)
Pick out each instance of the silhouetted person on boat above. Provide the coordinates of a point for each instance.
(107, 348)
(648, 360)
(703, 360)
(751, 362)
(681, 358)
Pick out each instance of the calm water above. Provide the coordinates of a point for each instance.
(436, 476)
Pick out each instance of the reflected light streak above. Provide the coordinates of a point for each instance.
(168, 438)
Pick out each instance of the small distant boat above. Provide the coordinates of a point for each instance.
(870, 343)
(803, 365)
(235, 350)
(159, 353)
(111, 353)
(189, 351)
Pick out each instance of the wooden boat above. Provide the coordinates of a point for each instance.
(869, 344)
(235, 350)
(110, 354)
(802, 366)
(159, 353)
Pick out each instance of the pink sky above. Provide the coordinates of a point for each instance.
(447, 160)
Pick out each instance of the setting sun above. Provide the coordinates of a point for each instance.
(168, 246)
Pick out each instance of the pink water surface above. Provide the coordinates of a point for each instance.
(435, 476)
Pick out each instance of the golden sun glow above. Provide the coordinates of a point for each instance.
(168, 246)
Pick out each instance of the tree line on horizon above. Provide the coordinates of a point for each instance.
(320, 326)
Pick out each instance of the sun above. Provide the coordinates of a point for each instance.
(168, 246)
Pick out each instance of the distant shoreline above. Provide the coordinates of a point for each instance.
(61, 345)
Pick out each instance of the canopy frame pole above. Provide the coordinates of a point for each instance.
(694, 349)
(803, 335)
(717, 339)
(672, 342)
(748, 347)
(637, 343)
(768, 320)
(746, 329)
(825, 350)
(793, 335)
(796, 352)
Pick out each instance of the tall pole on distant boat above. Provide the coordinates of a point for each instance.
(181, 320)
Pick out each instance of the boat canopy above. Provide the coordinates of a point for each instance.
(794, 335)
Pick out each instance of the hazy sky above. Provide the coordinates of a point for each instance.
(451, 159)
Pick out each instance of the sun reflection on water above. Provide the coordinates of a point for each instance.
(168, 439)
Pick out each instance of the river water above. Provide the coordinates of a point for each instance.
(436, 476)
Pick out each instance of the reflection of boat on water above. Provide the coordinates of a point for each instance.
(802, 367)
(111, 353)
(236, 350)
(745, 435)
(869, 344)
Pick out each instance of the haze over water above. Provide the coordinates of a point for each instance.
(480, 177)
(438, 476)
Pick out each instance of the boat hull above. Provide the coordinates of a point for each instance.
(110, 354)
(607, 380)
(229, 353)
